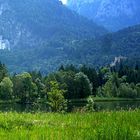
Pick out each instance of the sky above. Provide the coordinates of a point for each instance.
(64, 1)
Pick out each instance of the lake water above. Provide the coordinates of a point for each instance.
(109, 105)
(117, 105)
(99, 106)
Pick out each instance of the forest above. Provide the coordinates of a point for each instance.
(70, 82)
(56, 89)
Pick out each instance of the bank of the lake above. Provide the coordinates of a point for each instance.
(108, 104)
(71, 126)
(99, 99)
(101, 104)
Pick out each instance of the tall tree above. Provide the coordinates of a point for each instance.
(56, 98)
(6, 89)
(83, 86)
(24, 88)
(3, 71)
(110, 89)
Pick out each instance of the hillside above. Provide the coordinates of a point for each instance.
(93, 52)
(113, 14)
(124, 43)
(30, 23)
(42, 35)
(36, 33)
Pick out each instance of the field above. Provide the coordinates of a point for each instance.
(121, 125)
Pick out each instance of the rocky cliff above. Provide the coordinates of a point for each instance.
(113, 14)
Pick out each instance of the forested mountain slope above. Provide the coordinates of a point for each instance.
(31, 23)
(37, 33)
(42, 35)
(124, 43)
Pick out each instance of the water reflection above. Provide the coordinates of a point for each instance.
(117, 105)
(109, 105)
(24, 107)
(99, 106)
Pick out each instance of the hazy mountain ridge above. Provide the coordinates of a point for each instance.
(93, 52)
(113, 14)
(30, 23)
(38, 33)
(44, 36)
(99, 52)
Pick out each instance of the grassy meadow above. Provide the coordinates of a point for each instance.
(120, 125)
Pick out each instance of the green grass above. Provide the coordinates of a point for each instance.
(122, 125)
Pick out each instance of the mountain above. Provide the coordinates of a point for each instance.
(121, 44)
(37, 33)
(113, 14)
(30, 23)
(43, 34)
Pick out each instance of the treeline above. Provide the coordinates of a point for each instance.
(70, 82)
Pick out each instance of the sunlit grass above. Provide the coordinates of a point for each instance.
(74, 126)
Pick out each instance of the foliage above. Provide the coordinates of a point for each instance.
(24, 88)
(56, 98)
(83, 85)
(110, 89)
(6, 89)
(90, 104)
(3, 71)
(126, 90)
(70, 83)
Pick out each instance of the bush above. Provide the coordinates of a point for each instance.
(90, 104)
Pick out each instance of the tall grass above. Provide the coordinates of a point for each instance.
(122, 125)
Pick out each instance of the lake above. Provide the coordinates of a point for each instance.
(108, 105)
(99, 106)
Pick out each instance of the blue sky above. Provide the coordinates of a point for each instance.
(64, 1)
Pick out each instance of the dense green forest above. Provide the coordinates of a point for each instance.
(70, 82)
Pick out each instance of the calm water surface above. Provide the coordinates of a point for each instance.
(99, 106)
